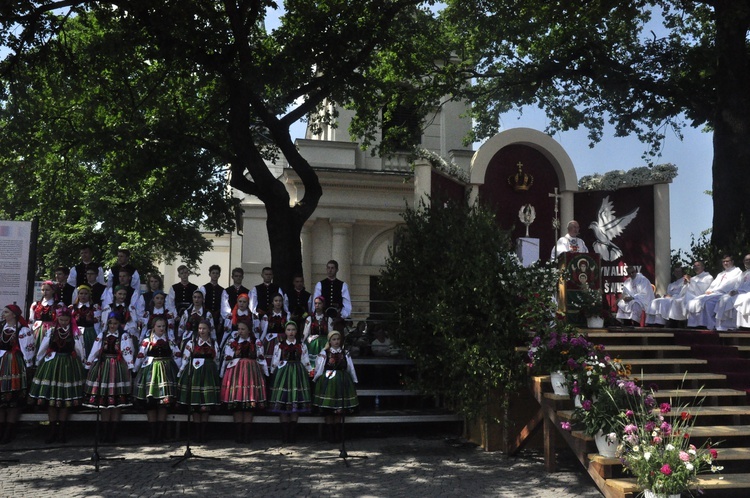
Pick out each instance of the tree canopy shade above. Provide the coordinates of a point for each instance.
(149, 109)
(586, 63)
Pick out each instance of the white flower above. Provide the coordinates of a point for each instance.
(716, 468)
(688, 465)
(647, 456)
(692, 452)
(669, 447)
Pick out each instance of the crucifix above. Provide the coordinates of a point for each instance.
(556, 219)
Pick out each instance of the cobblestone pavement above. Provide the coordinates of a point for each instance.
(395, 466)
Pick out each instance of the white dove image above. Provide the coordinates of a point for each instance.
(607, 227)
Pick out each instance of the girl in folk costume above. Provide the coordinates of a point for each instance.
(273, 327)
(240, 313)
(290, 394)
(119, 305)
(317, 327)
(42, 313)
(87, 316)
(16, 355)
(191, 318)
(334, 390)
(58, 383)
(157, 308)
(108, 384)
(199, 381)
(244, 387)
(157, 364)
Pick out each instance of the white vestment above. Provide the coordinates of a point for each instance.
(726, 316)
(658, 311)
(697, 286)
(640, 289)
(566, 243)
(701, 310)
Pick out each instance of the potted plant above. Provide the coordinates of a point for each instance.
(659, 453)
(603, 415)
(550, 352)
(591, 307)
(589, 374)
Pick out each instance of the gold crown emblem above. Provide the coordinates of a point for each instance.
(521, 181)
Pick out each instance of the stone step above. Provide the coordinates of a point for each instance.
(662, 361)
(656, 377)
(674, 394)
(697, 411)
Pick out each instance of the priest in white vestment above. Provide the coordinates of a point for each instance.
(696, 286)
(658, 311)
(726, 315)
(701, 311)
(570, 242)
(637, 294)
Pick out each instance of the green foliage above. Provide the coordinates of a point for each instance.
(702, 249)
(463, 303)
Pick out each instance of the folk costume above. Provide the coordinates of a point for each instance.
(60, 374)
(334, 382)
(108, 384)
(16, 355)
(273, 333)
(336, 294)
(291, 386)
(244, 370)
(317, 327)
(87, 317)
(42, 315)
(200, 369)
(158, 361)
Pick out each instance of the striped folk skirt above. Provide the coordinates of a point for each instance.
(244, 387)
(291, 389)
(89, 337)
(59, 382)
(12, 379)
(204, 389)
(156, 383)
(335, 392)
(108, 384)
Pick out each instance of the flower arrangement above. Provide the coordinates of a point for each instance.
(611, 406)
(642, 175)
(557, 348)
(590, 303)
(590, 374)
(659, 453)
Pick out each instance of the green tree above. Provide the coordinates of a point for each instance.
(588, 63)
(463, 303)
(196, 94)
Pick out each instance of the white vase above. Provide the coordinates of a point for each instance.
(577, 401)
(606, 449)
(595, 322)
(559, 386)
(647, 493)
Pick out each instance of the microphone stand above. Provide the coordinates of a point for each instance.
(188, 452)
(95, 457)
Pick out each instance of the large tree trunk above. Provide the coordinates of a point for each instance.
(731, 188)
(284, 229)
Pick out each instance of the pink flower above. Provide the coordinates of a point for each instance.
(666, 470)
(714, 453)
(629, 413)
(665, 407)
(586, 404)
(631, 428)
(684, 456)
(565, 426)
(666, 428)
(657, 440)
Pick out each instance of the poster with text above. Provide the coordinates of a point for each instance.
(15, 242)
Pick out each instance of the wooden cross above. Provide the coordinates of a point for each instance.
(556, 219)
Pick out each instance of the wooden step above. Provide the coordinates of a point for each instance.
(662, 361)
(363, 417)
(382, 361)
(628, 335)
(656, 377)
(725, 454)
(709, 411)
(691, 394)
(649, 347)
(720, 431)
(704, 481)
